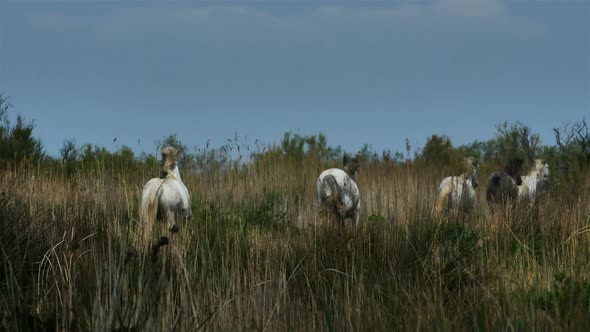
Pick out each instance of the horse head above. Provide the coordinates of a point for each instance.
(541, 168)
(470, 167)
(169, 160)
(351, 165)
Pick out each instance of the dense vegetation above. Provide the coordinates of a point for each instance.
(257, 255)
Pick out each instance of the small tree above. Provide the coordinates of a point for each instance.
(475, 149)
(69, 156)
(513, 141)
(17, 142)
(172, 140)
(438, 151)
(573, 150)
(316, 146)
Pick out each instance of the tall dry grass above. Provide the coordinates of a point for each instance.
(257, 256)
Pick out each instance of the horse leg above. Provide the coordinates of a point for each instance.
(163, 241)
(340, 221)
(355, 219)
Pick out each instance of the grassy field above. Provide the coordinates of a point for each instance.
(258, 256)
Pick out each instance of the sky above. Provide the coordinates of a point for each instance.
(362, 72)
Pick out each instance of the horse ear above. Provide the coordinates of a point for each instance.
(466, 162)
(469, 163)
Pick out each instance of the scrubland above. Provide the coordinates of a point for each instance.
(258, 255)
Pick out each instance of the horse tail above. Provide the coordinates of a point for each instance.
(495, 179)
(494, 187)
(149, 209)
(331, 194)
(442, 200)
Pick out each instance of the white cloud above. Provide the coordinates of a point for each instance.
(470, 8)
(129, 21)
(203, 14)
(410, 11)
(438, 15)
(170, 15)
(416, 10)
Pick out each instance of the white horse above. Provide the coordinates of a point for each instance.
(166, 198)
(338, 192)
(534, 182)
(457, 193)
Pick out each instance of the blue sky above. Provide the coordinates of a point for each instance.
(370, 72)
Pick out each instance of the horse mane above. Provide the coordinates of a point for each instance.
(514, 167)
(169, 159)
(469, 166)
(537, 168)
